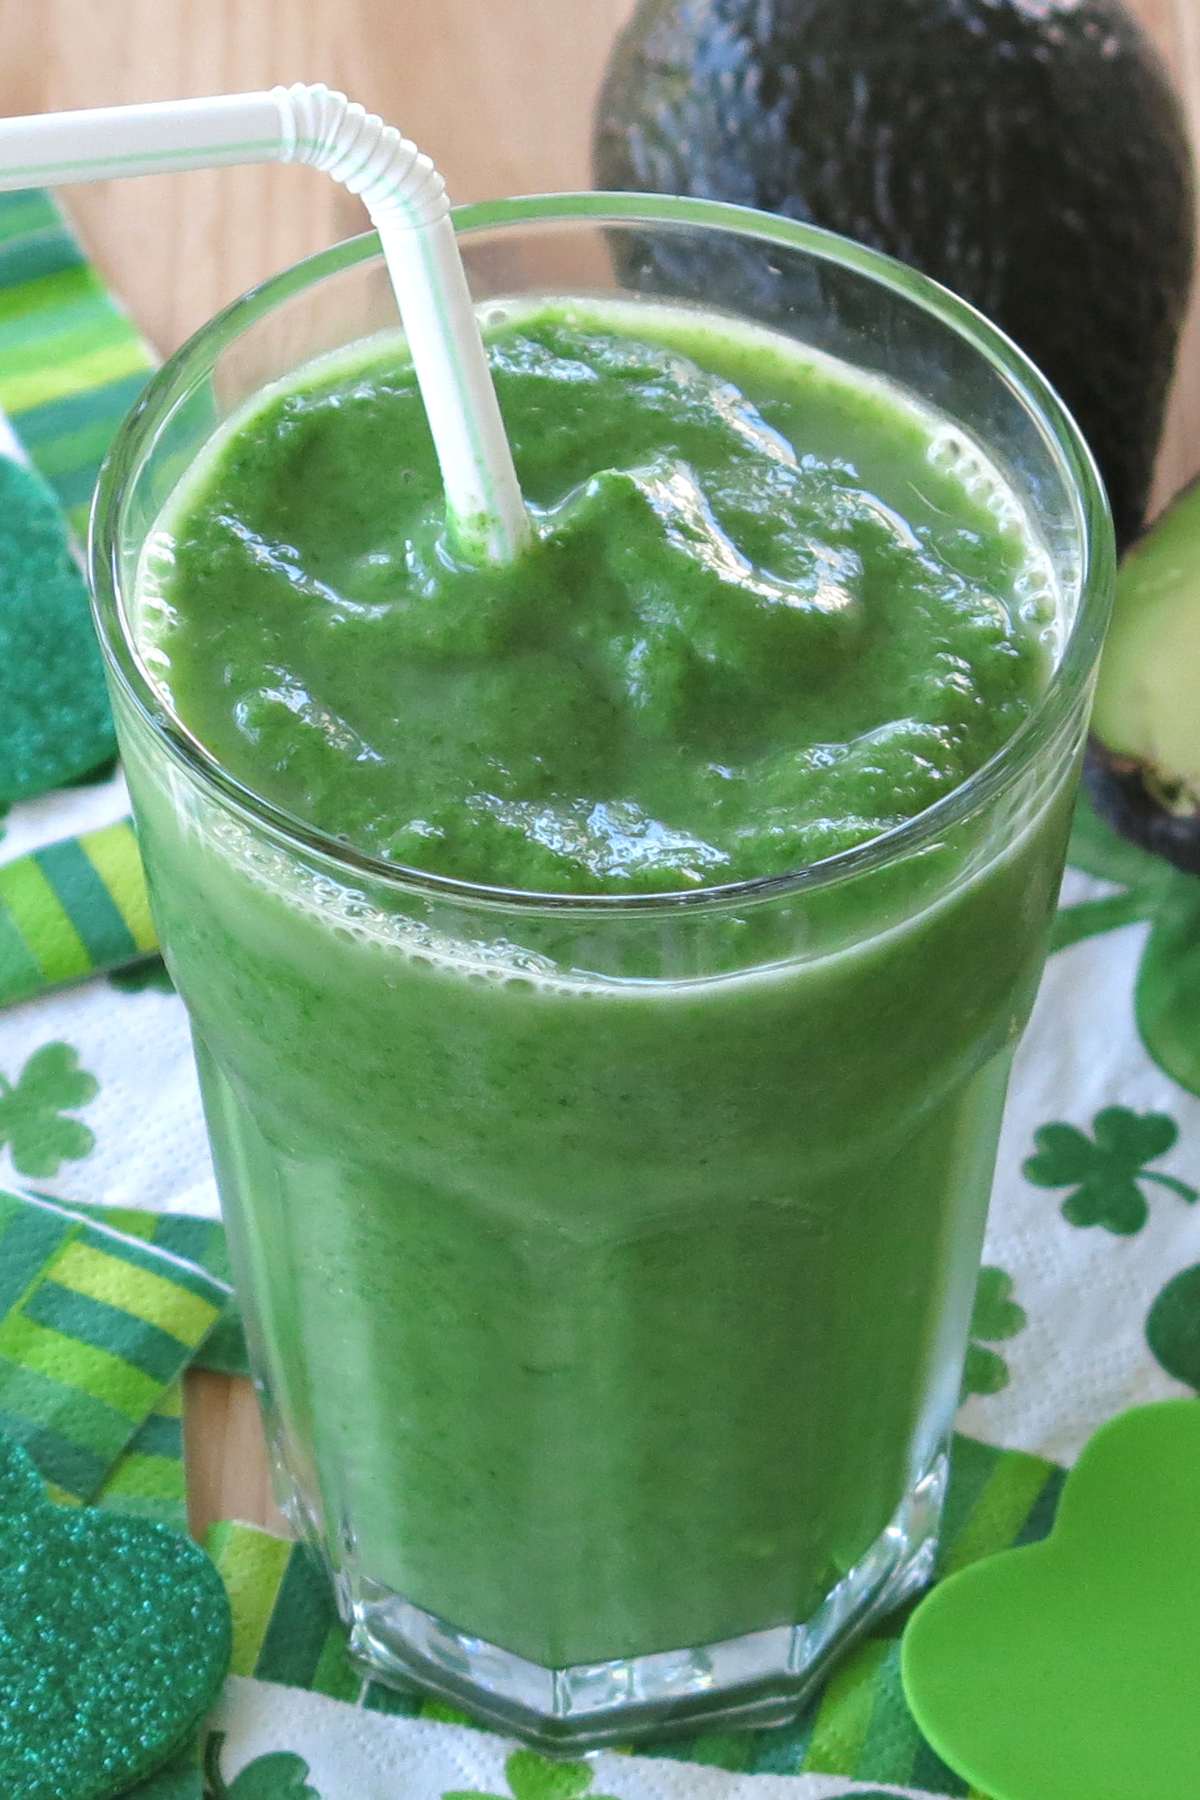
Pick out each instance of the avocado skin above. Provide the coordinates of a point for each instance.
(1029, 154)
(1143, 756)
(1117, 787)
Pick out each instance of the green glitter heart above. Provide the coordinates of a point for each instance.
(115, 1635)
(20, 1483)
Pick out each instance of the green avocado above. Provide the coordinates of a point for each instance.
(1029, 154)
(1143, 766)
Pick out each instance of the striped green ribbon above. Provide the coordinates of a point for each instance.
(286, 1630)
(96, 1329)
(71, 360)
(72, 909)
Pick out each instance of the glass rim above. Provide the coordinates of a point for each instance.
(1065, 686)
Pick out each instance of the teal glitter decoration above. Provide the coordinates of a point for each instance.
(115, 1635)
(20, 1484)
(54, 720)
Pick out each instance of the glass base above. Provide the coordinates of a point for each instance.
(756, 1680)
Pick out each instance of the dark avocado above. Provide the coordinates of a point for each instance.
(1143, 767)
(1030, 154)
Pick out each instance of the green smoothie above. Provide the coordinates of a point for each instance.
(763, 620)
(608, 1271)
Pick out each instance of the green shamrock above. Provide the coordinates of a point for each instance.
(141, 977)
(1173, 1327)
(532, 1777)
(278, 1776)
(995, 1316)
(177, 1781)
(1104, 1175)
(1167, 991)
(32, 1124)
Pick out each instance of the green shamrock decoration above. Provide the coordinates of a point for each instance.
(1173, 1327)
(277, 1776)
(1105, 1175)
(149, 976)
(1167, 992)
(179, 1780)
(533, 1777)
(995, 1317)
(32, 1110)
(1067, 1667)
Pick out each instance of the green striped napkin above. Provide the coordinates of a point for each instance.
(72, 909)
(198, 1241)
(149, 1478)
(71, 365)
(71, 361)
(96, 1329)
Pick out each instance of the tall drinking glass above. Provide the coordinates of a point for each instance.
(607, 1262)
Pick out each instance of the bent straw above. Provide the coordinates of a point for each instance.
(405, 197)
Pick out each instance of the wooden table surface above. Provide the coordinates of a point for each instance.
(499, 92)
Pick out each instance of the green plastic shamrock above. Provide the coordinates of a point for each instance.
(1104, 1175)
(1173, 1327)
(995, 1316)
(1065, 1669)
(1167, 992)
(32, 1110)
(278, 1776)
(533, 1777)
